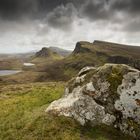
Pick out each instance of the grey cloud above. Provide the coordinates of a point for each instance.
(125, 13)
(128, 6)
(14, 9)
(95, 10)
(68, 20)
(62, 17)
(133, 26)
(36, 9)
(129, 11)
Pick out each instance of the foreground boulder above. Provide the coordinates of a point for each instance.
(109, 94)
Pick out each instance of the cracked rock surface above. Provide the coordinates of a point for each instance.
(109, 94)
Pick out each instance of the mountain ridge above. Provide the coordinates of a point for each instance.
(110, 48)
(56, 67)
(60, 51)
(45, 52)
(108, 52)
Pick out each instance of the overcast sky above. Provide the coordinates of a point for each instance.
(27, 25)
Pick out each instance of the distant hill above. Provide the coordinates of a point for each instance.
(14, 61)
(54, 67)
(44, 57)
(93, 54)
(46, 52)
(61, 51)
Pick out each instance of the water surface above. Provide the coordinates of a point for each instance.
(28, 64)
(8, 72)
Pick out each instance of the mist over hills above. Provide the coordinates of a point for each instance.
(58, 50)
(61, 51)
(58, 64)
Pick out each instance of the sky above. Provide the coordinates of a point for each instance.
(27, 25)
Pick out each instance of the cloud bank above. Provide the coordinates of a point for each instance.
(31, 24)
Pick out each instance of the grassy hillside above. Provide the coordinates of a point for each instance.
(14, 61)
(41, 59)
(99, 53)
(45, 57)
(109, 48)
(11, 63)
(91, 54)
(61, 51)
(94, 54)
(23, 117)
(117, 49)
(50, 66)
(22, 77)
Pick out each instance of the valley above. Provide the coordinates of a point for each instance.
(49, 65)
(30, 83)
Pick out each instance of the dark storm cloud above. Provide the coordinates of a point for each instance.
(108, 9)
(91, 8)
(129, 11)
(62, 17)
(68, 20)
(14, 9)
(61, 13)
(125, 13)
(96, 10)
(130, 6)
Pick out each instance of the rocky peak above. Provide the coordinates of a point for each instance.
(81, 47)
(45, 52)
(109, 95)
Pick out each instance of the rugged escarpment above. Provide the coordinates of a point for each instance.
(45, 52)
(125, 60)
(81, 47)
(100, 52)
(109, 95)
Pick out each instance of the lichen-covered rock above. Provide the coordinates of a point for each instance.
(85, 70)
(109, 94)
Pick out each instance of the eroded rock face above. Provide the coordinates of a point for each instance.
(109, 94)
(45, 52)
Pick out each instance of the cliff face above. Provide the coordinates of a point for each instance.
(45, 52)
(99, 53)
(109, 95)
(80, 47)
(125, 60)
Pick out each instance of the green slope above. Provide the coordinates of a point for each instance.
(23, 117)
(50, 66)
(99, 53)
(92, 54)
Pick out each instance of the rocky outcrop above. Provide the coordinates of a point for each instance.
(99, 53)
(124, 60)
(80, 47)
(109, 94)
(45, 52)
